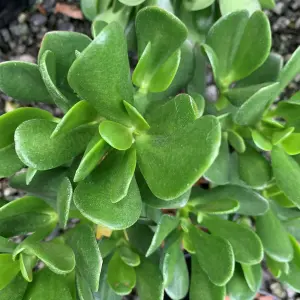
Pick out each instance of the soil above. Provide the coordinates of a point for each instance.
(21, 38)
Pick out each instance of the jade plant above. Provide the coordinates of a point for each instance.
(153, 172)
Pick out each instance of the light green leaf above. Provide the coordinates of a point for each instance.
(220, 206)
(64, 199)
(149, 281)
(9, 161)
(252, 110)
(97, 27)
(120, 276)
(129, 257)
(201, 286)
(31, 172)
(90, 8)
(253, 276)
(9, 270)
(291, 144)
(280, 136)
(277, 246)
(194, 5)
(246, 245)
(54, 152)
(236, 141)
(261, 141)
(81, 113)
(108, 51)
(15, 290)
(215, 256)
(57, 286)
(27, 263)
(165, 226)
(228, 7)
(117, 135)
(267, 4)
(287, 174)
(132, 2)
(88, 257)
(23, 81)
(254, 169)
(11, 120)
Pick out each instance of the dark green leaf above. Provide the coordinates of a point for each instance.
(129, 257)
(6, 245)
(9, 161)
(220, 206)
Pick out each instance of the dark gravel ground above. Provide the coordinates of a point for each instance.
(20, 40)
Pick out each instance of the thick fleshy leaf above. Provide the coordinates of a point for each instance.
(254, 169)
(292, 226)
(57, 286)
(64, 199)
(83, 290)
(11, 120)
(132, 2)
(280, 136)
(106, 246)
(120, 215)
(54, 152)
(129, 257)
(108, 51)
(81, 113)
(23, 81)
(15, 290)
(9, 270)
(31, 172)
(197, 4)
(261, 141)
(6, 246)
(251, 203)
(88, 258)
(27, 262)
(246, 245)
(267, 4)
(220, 206)
(287, 174)
(111, 179)
(237, 288)
(277, 246)
(159, 156)
(149, 281)
(201, 286)
(157, 45)
(165, 226)
(218, 172)
(236, 141)
(253, 276)
(291, 144)
(292, 278)
(175, 272)
(64, 44)
(252, 110)
(90, 8)
(120, 276)
(228, 7)
(9, 161)
(117, 135)
(25, 215)
(215, 256)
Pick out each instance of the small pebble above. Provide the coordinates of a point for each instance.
(38, 20)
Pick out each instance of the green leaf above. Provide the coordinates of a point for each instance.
(277, 246)
(108, 51)
(88, 257)
(30, 175)
(215, 256)
(292, 278)
(64, 44)
(254, 169)
(90, 8)
(81, 113)
(236, 141)
(165, 226)
(47, 66)
(83, 290)
(95, 151)
(117, 135)
(27, 263)
(149, 281)
(15, 290)
(251, 203)
(201, 286)
(54, 152)
(64, 199)
(9, 161)
(6, 245)
(120, 276)
(15, 216)
(97, 27)
(57, 286)
(11, 120)
(291, 144)
(157, 45)
(176, 285)
(132, 2)
(92, 201)
(237, 288)
(137, 119)
(218, 172)
(220, 206)
(229, 7)
(194, 5)
(168, 176)
(129, 257)
(9, 270)
(246, 245)
(23, 81)
(275, 267)
(287, 174)
(106, 246)
(267, 4)
(261, 141)
(252, 110)
(280, 136)
(253, 276)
